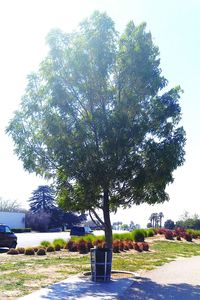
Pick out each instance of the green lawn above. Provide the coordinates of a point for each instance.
(22, 274)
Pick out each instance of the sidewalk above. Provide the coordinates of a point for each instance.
(177, 280)
(76, 287)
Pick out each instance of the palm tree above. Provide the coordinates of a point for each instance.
(160, 216)
(156, 217)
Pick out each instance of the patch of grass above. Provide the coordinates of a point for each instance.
(163, 252)
(22, 274)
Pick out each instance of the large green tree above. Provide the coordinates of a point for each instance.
(98, 117)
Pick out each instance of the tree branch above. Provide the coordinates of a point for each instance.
(96, 216)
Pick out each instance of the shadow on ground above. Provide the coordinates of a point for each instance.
(146, 289)
(82, 290)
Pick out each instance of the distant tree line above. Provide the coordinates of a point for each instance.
(186, 221)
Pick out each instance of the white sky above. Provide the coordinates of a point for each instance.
(174, 25)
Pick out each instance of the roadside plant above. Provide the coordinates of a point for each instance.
(116, 246)
(13, 251)
(57, 247)
(150, 232)
(82, 247)
(188, 237)
(145, 246)
(50, 249)
(72, 246)
(136, 247)
(36, 248)
(60, 242)
(41, 251)
(21, 250)
(89, 245)
(138, 235)
(169, 234)
(29, 251)
(45, 243)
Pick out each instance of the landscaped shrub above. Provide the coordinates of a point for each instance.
(169, 234)
(41, 251)
(35, 248)
(98, 243)
(130, 243)
(121, 245)
(138, 235)
(161, 230)
(13, 251)
(60, 242)
(116, 246)
(50, 249)
(145, 246)
(188, 237)
(179, 232)
(140, 246)
(89, 245)
(122, 236)
(21, 250)
(57, 247)
(29, 251)
(136, 247)
(126, 245)
(82, 247)
(45, 243)
(72, 246)
(150, 232)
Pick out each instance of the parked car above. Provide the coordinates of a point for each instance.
(7, 238)
(80, 230)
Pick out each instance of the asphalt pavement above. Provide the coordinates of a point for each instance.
(31, 239)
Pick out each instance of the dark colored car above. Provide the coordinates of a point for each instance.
(7, 238)
(80, 230)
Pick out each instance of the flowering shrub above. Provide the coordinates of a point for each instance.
(89, 245)
(116, 246)
(145, 246)
(179, 232)
(188, 237)
(82, 247)
(72, 246)
(169, 235)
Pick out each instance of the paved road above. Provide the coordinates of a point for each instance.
(35, 238)
(177, 280)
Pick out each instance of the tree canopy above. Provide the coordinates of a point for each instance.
(98, 117)
(42, 200)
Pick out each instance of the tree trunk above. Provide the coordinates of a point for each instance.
(106, 215)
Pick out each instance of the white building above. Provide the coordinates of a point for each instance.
(13, 219)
